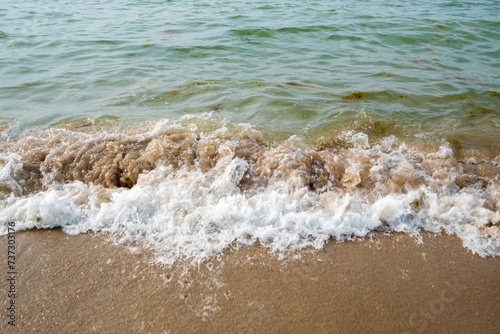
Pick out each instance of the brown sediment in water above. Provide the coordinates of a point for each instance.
(390, 284)
(357, 95)
(328, 168)
(111, 157)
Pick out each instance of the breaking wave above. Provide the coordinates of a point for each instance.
(192, 188)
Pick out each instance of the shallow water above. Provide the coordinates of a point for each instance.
(289, 123)
(284, 66)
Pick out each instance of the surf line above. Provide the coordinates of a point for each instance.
(11, 273)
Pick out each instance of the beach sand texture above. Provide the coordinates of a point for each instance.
(386, 284)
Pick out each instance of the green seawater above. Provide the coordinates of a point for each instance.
(409, 68)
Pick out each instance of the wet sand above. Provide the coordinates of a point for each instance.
(390, 284)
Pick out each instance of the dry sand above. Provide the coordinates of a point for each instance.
(390, 284)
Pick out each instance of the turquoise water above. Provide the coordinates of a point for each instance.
(287, 66)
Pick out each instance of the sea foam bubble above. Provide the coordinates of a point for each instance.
(189, 193)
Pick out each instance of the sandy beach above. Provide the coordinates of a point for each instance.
(389, 284)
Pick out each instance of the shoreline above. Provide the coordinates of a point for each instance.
(385, 284)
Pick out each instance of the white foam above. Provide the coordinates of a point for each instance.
(190, 214)
(10, 165)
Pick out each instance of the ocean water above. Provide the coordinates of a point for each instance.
(191, 126)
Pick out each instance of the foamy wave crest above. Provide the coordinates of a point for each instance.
(190, 190)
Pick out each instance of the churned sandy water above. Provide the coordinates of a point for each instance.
(185, 191)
